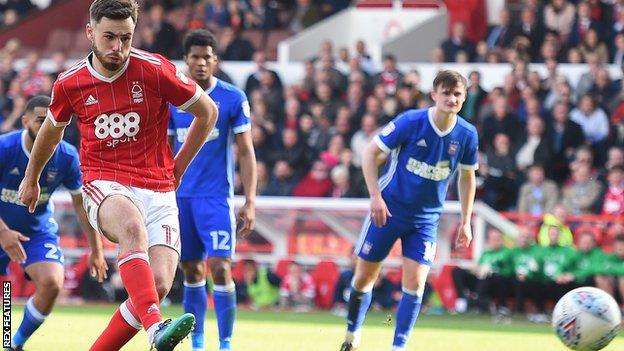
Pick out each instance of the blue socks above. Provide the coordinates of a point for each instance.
(225, 309)
(359, 302)
(31, 321)
(195, 301)
(406, 316)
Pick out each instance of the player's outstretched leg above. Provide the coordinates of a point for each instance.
(48, 278)
(359, 301)
(224, 299)
(120, 330)
(414, 279)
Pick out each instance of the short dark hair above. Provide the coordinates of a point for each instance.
(37, 101)
(199, 37)
(619, 238)
(449, 79)
(113, 9)
(616, 168)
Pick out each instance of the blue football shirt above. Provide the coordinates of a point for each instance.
(421, 162)
(211, 174)
(62, 169)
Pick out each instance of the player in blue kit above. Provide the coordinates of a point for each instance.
(425, 147)
(207, 221)
(31, 238)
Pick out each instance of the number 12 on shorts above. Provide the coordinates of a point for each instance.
(220, 240)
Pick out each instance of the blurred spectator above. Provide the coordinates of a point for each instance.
(555, 219)
(9, 18)
(297, 289)
(581, 269)
(562, 92)
(556, 259)
(272, 95)
(488, 281)
(324, 95)
(591, 44)
(343, 287)
(618, 53)
(559, 17)
(501, 34)
(356, 178)
(536, 147)
(603, 89)
(390, 76)
(293, 151)
(316, 183)
(610, 276)
(253, 80)
(538, 195)
(342, 186)
(306, 14)
(615, 157)
(260, 15)
(458, 42)
(384, 294)
(526, 265)
(474, 98)
(532, 30)
(499, 187)
(363, 57)
(260, 286)
(282, 180)
(583, 25)
(216, 15)
(331, 156)
(613, 202)
(500, 121)
(233, 47)
(166, 36)
(587, 79)
(262, 145)
(582, 195)
(363, 136)
(566, 136)
(592, 119)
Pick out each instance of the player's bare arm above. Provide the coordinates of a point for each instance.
(97, 262)
(205, 112)
(46, 142)
(467, 189)
(378, 208)
(10, 241)
(247, 162)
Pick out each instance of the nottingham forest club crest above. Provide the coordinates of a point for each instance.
(137, 92)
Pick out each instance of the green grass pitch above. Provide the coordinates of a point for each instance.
(74, 328)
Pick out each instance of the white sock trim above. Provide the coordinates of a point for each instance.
(30, 305)
(230, 288)
(139, 255)
(151, 331)
(129, 317)
(354, 337)
(396, 348)
(194, 285)
(411, 292)
(366, 289)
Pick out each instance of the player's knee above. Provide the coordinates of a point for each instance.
(194, 271)
(220, 270)
(134, 229)
(51, 285)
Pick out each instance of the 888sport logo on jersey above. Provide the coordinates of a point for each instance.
(121, 128)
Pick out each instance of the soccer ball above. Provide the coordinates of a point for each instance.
(586, 319)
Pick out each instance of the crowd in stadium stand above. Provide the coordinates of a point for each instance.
(549, 148)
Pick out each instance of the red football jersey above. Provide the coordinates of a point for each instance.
(123, 119)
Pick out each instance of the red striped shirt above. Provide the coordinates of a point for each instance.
(123, 119)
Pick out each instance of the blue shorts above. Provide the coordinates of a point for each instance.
(41, 247)
(418, 241)
(207, 228)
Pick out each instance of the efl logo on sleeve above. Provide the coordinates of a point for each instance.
(6, 314)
